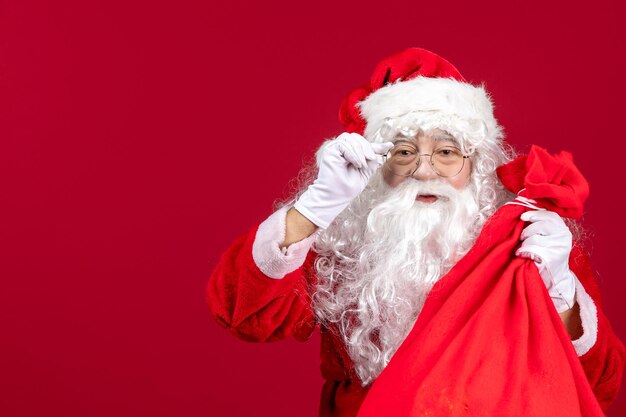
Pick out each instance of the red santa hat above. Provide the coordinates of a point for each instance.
(426, 91)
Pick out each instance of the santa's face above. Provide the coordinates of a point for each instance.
(426, 143)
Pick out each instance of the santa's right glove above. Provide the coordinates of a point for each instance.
(345, 167)
(548, 242)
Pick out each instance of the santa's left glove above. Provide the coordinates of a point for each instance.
(548, 242)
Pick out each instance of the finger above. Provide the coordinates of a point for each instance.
(529, 216)
(352, 155)
(528, 255)
(366, 148)
(362, 148)
(537, 241)
(373, 164)
(538, 215)
(538, 228)
(556, 234)
(382, 148)
(546, 224)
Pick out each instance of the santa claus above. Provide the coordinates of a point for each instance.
(392, 205)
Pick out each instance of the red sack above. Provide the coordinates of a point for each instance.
(489, 341)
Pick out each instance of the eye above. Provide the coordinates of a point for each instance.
(448, 152)
(403, 151)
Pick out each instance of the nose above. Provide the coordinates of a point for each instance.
(424, 170)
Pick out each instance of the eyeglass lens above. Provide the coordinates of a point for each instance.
(404, 159)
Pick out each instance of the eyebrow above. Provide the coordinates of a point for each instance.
(438, 136)
(403, 139)
(444, 136)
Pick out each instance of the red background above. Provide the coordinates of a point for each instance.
(139, 138)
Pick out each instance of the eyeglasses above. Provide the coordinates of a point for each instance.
(404, 159)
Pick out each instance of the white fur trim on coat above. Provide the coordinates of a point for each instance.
(589, 319)
(269, 257)
(463, 110)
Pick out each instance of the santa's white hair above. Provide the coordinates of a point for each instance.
(381, 256)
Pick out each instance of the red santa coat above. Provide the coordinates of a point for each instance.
(255, 307)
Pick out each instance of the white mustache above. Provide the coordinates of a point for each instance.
(439, 188)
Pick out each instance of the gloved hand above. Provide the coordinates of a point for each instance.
(548, 242)
(345, 166)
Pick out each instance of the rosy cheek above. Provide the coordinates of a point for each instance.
(460, 181)
(392, 180)
(458, 184)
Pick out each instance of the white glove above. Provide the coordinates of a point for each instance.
(345, 167)
(548, 242)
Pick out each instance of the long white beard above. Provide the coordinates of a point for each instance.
(378, 261)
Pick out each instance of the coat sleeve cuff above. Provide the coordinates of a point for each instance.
(589, 320)
(274, 261)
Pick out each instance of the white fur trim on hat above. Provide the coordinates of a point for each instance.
(463, 110)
